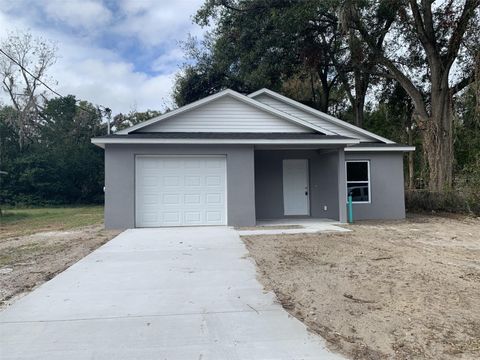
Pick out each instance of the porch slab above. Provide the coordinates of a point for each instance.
(302, 226)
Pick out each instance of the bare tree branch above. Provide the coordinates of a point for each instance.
(427, 41)
(459, 31)
(19, 52)
(462, 84)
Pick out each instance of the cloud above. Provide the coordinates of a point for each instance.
(169, 60)
(153, 23)
(116, 85)
(78, 13)
(123, 56)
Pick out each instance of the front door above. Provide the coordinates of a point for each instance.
(295, 187)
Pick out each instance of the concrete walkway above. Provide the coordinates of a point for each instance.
(177, 293)
(304, 226)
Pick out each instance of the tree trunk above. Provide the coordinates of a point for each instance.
(361, 85)
(438, 141)
(411, 183)
(325, 94)
(358, 107)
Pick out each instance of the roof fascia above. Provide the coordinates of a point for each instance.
(102, 141)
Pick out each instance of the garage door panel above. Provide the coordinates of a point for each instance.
(170, 163)
(171, 181)
(213, 180)
(214, 198)
(215, 164)
(192, 164)
(150, 217)
(150, 164)
(171, 199)
(193, 218)
(171, 218)
(150, 200)
(180, 190)
(192, 181)
(150, 181)
(192, 199)
(213, 216)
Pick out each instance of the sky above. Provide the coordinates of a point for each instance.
(121, 54)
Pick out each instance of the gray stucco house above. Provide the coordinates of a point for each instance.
(231, 159)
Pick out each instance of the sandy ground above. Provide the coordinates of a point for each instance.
(29, 261)
(269, 227)
(388, 290)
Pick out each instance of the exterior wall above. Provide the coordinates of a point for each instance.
(120, 180)
(342, 188)
(324, 185)
(226, 115)
(386, 183)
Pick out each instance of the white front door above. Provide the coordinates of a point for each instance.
(295, 187)
(180, 190)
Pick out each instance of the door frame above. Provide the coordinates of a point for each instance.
(140, 155)
(307, 177)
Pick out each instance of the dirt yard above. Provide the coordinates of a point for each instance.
(30, 257)
(388, 290)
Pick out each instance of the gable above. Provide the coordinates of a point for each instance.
(226, 114)
(317, 120)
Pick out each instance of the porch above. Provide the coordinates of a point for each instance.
(300, 185)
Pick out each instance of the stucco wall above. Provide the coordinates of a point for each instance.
(120, 180)
(387, 186)
(324, 188)
(255, 182)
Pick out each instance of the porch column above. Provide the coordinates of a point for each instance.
(342, 188)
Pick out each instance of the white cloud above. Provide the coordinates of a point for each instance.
(168, 60)
(156, 23)
(78, 13)
(115, 85)
(92, 72)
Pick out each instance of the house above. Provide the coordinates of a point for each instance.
(231, 159)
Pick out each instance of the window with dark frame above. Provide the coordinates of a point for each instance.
(358, 180)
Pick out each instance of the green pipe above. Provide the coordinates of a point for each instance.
(350, 209)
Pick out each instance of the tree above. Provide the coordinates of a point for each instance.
(421, 44)
(59, 165)
(72, 168)
(122, 121)
(23, 66)
(264, 43)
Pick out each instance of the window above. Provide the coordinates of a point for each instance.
(358, 180)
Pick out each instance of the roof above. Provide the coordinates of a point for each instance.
(310, 125)
(225, 138)
(319, 114)
(236, 95)
(218, 135)
(379, 147)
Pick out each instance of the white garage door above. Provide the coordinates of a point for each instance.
(180, 190)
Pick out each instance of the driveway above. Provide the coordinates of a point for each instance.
(171, 293)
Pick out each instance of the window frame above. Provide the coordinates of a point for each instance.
(369, 181)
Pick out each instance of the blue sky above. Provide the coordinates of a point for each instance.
(118, 53)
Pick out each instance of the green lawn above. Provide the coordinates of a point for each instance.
(17, 222)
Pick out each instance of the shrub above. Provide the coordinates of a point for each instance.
(454, 201)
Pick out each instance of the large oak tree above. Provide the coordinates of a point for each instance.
(430, 48)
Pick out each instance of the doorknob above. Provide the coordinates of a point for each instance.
(306, 193)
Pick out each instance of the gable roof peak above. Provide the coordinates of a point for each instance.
(236, 95)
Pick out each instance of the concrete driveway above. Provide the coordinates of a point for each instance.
(172, 293)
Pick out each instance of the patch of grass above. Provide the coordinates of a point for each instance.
(18, 222)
